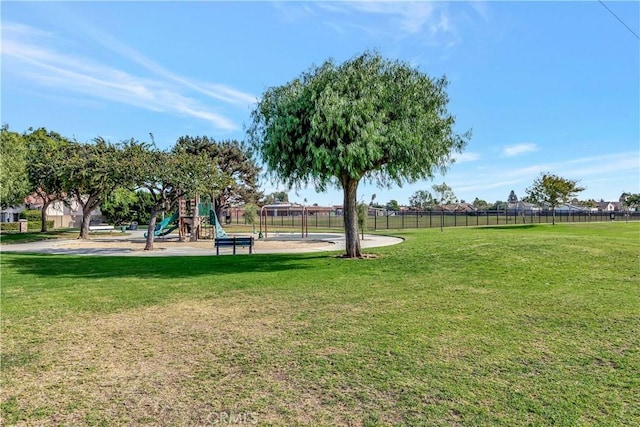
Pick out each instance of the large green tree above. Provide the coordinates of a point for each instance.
(551, 190)
(118, 207)
(170, 175)
(368, 118)
(46, 158)
(14, 179)
(92, 171)
(235, 160)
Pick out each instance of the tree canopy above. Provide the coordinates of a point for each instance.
(551, 190)
(630, 200)
(46, 156)
(14, 179)
(91, 172)
(235, 160)
(169, 175)
(370, 118)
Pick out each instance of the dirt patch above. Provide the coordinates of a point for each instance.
(180, 364)
(138, 245)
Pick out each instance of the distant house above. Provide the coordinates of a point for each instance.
(569, 208)
(63, 215)
(609, 206)
(456, 207)
(10, 214)
(526, 208)
(373, 211)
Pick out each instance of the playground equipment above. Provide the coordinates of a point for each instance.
(164, 227)
(289, 210)
(190, 219)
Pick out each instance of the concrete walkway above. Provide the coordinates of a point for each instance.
(334, 242)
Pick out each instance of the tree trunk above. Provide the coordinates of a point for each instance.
(219, 208)
(43, 216)
(150, 230)
(352, 242)
(86, 221)
(553, 215)
(87, 208)
(195, 222)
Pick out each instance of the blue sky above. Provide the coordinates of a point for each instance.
(545, 86)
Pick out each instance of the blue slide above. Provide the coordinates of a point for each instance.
(164, 228)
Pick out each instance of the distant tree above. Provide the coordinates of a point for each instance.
(393, 205)
(46, 157)
(14, 179)
(234, 159)
(551, 190)
(498, 204)
(373, 198)
(276, 197)
(587, 203)
(142, 207)
(422, 200)
(251, 214)
(92, 172)
(480, 204)
(444, 194)
(368, 118)
(630, 201)
(119, 206)
(363, 213)
(512, 199)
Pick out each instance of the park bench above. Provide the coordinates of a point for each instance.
(96, 228)
(234, 242)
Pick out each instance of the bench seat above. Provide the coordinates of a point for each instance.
(101, 228)
(234, 242)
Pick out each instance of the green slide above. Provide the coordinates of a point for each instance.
(163, 228)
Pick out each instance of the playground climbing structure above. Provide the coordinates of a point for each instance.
(198, 220)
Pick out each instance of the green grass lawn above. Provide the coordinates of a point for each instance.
(526, 325)
(36, 236)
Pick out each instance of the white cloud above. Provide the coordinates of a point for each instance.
(516, 150)
(466, 157)
(411, 17)
(397, 19)
(621, 171)
(26, 53)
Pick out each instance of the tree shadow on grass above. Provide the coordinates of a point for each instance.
(510, 227)
(155, 267)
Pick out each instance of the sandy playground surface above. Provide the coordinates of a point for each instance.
(138, 244)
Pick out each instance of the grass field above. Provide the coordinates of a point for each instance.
(36, 236)
(516, 325)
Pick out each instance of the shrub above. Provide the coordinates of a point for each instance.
(31, 226)
(8, 226)
(31, 215)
